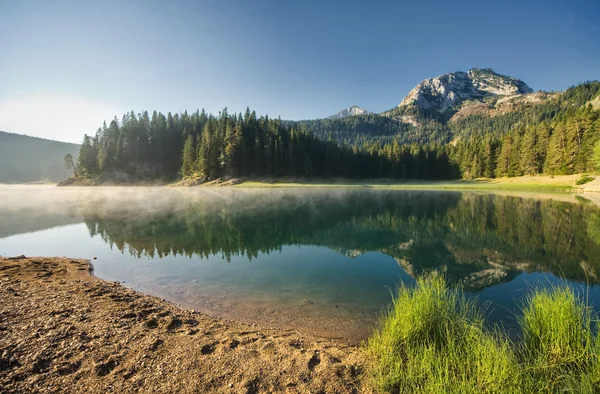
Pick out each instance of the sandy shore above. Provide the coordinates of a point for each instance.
(63, 330)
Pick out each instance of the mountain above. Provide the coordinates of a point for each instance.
(29, 159)
(448, 91)
(350, 111)
(487, 124)
(430, 110)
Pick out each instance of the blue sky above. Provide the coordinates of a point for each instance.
(65, 66)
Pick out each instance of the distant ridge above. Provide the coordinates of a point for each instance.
(30, 159)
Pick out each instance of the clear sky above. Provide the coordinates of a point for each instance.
(65, 66)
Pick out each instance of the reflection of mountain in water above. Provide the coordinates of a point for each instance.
(480, 240)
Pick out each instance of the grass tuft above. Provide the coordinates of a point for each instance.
(434, 340)
(584, 179)
(559, 346)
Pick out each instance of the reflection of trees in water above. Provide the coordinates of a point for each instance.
(251, 224)
(593, 227)
(477, 239)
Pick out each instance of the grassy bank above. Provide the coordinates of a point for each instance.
(548, 183)
(559, 183)
(434, 340)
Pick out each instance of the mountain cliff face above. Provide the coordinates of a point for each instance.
(350, 111)
(449, 91)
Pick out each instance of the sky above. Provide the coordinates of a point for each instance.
(66, 66)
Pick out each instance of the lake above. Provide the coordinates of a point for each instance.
(322, 261)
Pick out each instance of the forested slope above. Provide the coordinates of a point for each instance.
(29, 159)
(554, 135)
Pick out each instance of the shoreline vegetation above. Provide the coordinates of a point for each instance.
(63, 329)
(549, 183)
(435, 340)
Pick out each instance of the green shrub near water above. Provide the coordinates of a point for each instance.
(559, 348)
(433, 340)
(584, 179)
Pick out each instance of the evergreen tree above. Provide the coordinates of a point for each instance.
(596, 157)
(503, 166)
(528, 154)
(189, 156)
(555, 159)
(87, 157)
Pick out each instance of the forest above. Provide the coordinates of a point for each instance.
(560, 135)
(198, 144)
(567, 145)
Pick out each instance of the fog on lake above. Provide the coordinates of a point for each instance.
(321, 260)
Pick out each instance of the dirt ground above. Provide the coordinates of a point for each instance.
(63, 330)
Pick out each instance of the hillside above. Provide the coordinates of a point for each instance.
(488, 124)
(29, 159)
(456, 104)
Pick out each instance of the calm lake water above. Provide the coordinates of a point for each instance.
(320, 261)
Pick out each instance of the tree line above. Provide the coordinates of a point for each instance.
(561, 135)
(568, 145)
(233, 145)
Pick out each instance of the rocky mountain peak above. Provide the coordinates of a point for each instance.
(350, 111)
(449, 90)
(486, 80)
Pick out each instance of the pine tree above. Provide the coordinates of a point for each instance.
(208, 154)
(574, 135)
(189, 156)
(555, 158)
(489, 156)
(528, 152)
(87, 158)
(503, 165)
(596, 157)
(543, 140)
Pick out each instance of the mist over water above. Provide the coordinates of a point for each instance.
(321, 260)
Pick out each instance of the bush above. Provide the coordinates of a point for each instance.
(559, 346)
(584, 179)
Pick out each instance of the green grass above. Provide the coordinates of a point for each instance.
(584, 179)
(563, 183)
(532, 183)
(434, 340)
(559, 349)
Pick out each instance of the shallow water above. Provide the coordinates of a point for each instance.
(321, 261)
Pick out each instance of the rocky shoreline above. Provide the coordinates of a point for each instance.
(64, 330)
